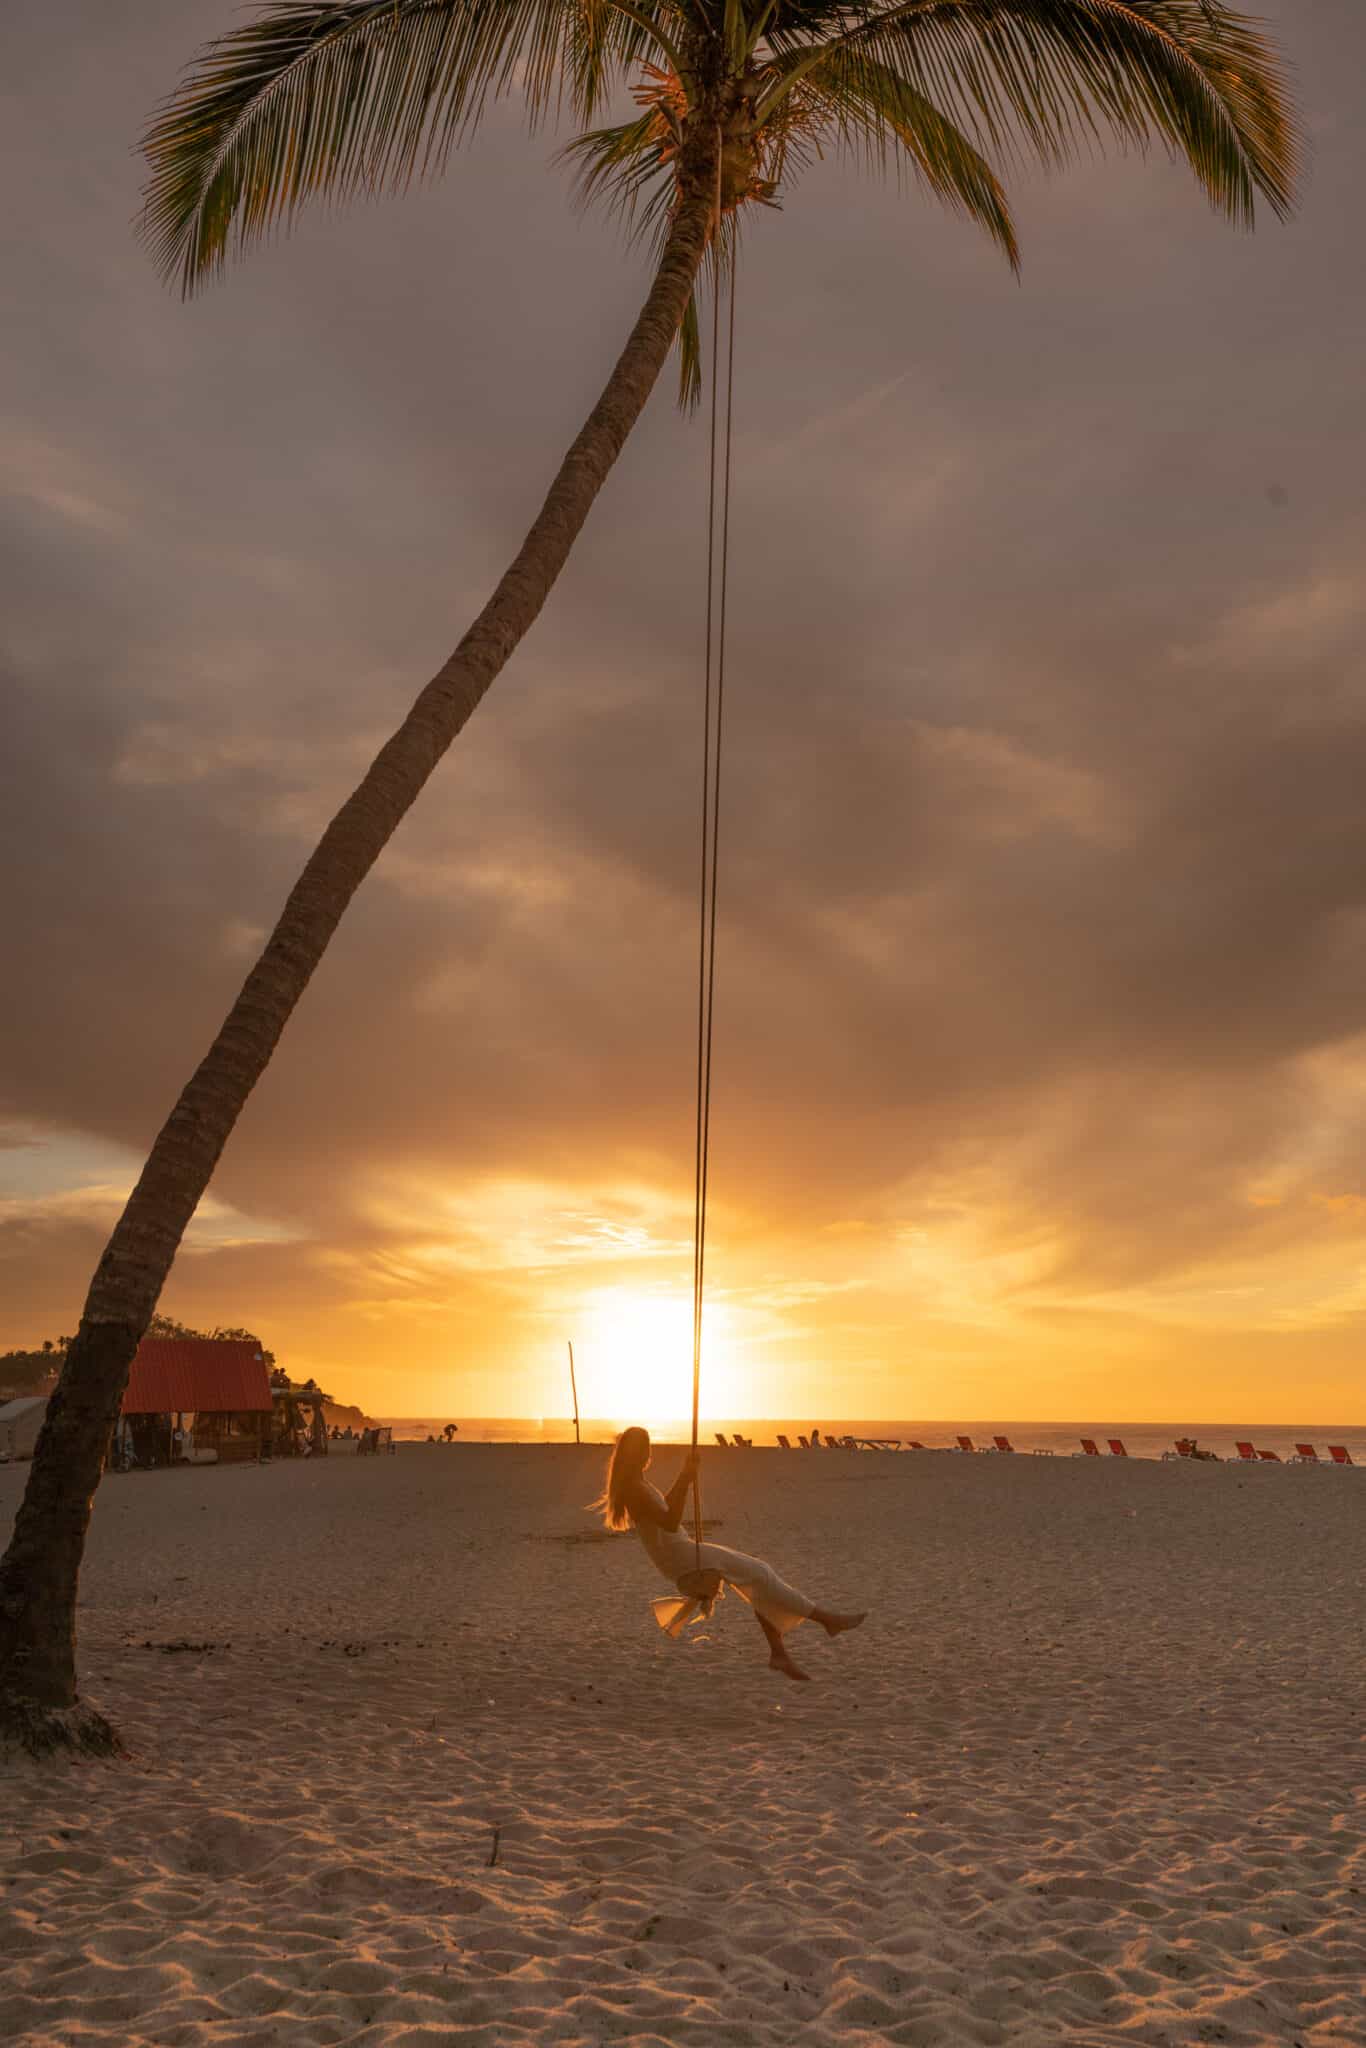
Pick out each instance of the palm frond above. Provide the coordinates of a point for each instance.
(332, 97)
(629, 167)
(1043, 78)
(865, 107)
(690, 376)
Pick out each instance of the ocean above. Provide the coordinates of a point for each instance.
(1141, 1439)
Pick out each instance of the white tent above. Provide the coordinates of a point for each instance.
(20, 1422)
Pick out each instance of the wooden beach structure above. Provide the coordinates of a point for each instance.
(195, 1400)
(298, 1424)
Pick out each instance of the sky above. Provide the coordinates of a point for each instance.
(1040, 1075)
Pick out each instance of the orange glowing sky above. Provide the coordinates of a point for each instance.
(1041, 1067)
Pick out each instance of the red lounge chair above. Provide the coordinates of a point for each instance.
(1340, 1454)
(912, 1445)
(1089, 1448)
(1246, 1453)
(1270, 1457)
(783, 1444)
(1003, 1443)
(721, 1440)
(744, 1443)
(805, 1442)
(1117, 1449)
(1305, 1454)
(965, 1443)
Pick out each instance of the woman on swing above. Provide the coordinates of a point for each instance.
(631, 1501)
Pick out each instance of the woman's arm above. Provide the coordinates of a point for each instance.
(645, 1508)
(679, 1491)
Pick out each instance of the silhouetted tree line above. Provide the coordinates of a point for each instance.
(35, 1372)
(167, 1326)
(32, 1372)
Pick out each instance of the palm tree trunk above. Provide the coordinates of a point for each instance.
(38, 1575)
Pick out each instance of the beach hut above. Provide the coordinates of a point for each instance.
(299, 1425)
(202, 1400)
(20, 1422)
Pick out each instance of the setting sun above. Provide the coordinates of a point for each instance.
(634, 1358)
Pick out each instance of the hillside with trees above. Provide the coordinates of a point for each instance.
(35, 1372)
(32, 1372)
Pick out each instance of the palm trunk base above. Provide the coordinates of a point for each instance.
(39, 1701)
(54, 1731)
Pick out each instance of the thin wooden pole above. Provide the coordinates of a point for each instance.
(574, 1390)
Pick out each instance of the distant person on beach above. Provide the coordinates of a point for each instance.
(631, 1501)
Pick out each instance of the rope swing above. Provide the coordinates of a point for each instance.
(700, 1583)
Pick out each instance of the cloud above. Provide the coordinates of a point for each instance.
(55, 1182)
(1043, 889)
(503, 1225)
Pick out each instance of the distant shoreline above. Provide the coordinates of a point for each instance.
(1146, 1440)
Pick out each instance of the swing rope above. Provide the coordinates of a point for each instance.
(713, 705)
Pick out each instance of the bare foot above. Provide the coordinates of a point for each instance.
(785, 1664)
(836, 1624)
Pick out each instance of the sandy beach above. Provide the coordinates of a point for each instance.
(1093, 1771)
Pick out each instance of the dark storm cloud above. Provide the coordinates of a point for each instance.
(1044, 838)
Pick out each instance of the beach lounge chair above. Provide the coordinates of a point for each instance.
(847, 1444)
(1003, 1444)
(721, 1440)
(1246, 1453)
(1089, 1448)
(783, 1444)
(1117, 1449)
(914, 1445)
(1340, 1454)
(1305, 1454)
(805, 1442)
(743, 1443)
(1270, 1457)
(966, 1444)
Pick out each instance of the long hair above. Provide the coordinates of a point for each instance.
(630, 1455)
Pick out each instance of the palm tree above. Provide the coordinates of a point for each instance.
(733, 99)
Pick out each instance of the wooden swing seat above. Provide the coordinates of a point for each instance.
(699, 1584)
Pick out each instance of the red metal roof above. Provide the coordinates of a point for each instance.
(214, 1374)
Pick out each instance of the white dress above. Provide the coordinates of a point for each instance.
(673, 1552)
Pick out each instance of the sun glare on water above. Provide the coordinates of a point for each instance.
(634, 1359)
